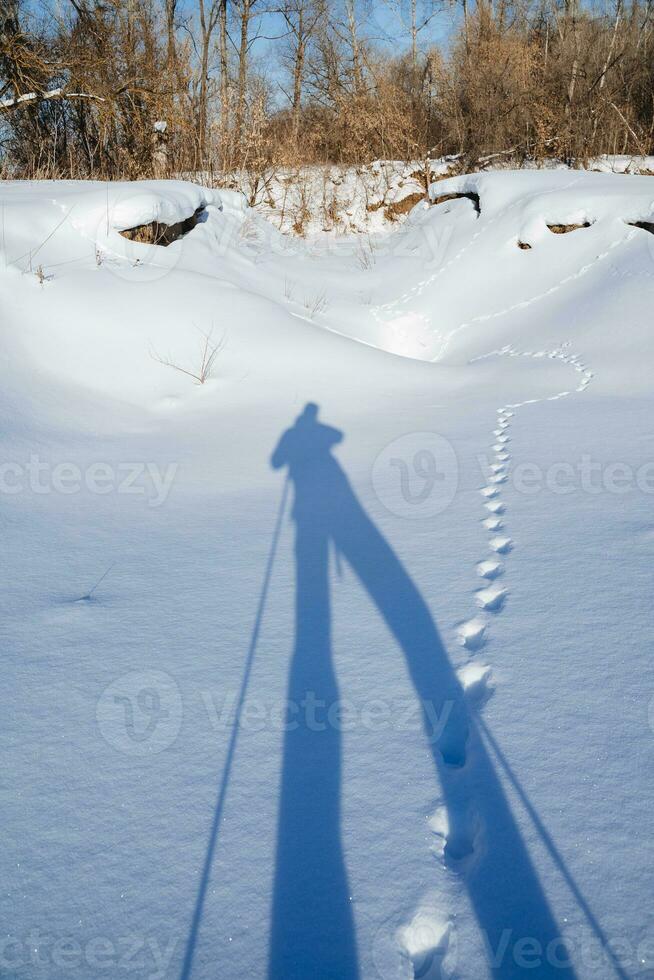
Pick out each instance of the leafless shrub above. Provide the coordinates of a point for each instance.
(317, 304)
(209, 351)
(301, 208)
(131, 89)
(31, 253)
(365, 253)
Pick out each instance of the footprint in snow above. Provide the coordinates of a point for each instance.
(492, 523)
(439, 825)
(489, 492)
(501, 545)
(477, 682)
(425, 941)
(489, 569)
(472, 634)
(459, 848)
(491, 598)
(495, 506)
(455, 836)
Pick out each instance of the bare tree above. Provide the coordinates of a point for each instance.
(134, 87)
(302, 18)
(209, 15)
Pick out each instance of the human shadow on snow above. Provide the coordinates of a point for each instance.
(312, 925)
(312, 930)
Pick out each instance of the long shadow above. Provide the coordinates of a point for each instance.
(312, 927)
(312, 932)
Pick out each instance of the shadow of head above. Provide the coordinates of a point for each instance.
(306, 446)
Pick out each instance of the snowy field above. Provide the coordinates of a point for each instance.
(327, 586)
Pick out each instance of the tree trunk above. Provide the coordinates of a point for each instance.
(224, 68)
(243, 64)
(298, 72)
(205, 41)
(354, 43)
(171, 52)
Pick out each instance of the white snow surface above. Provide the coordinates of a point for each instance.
(462, 580)
(318, 201)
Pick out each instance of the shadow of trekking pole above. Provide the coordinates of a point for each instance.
(553, 851)
(231, 750)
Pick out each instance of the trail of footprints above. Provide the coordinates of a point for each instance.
(457, 833)
(491, 596)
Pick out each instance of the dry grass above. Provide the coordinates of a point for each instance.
(365, 254)
(395, 209)
(209, 351)
(516, 84)
(315, 305)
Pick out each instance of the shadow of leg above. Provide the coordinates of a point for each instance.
(510, 905)
(312, 925)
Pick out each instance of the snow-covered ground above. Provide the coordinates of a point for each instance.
(390, 715)
(330, 201)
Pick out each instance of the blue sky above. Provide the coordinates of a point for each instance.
(379, 23)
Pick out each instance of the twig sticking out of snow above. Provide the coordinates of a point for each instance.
(316, 304)
(32, 252)
(208, 353)
(89, 594)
